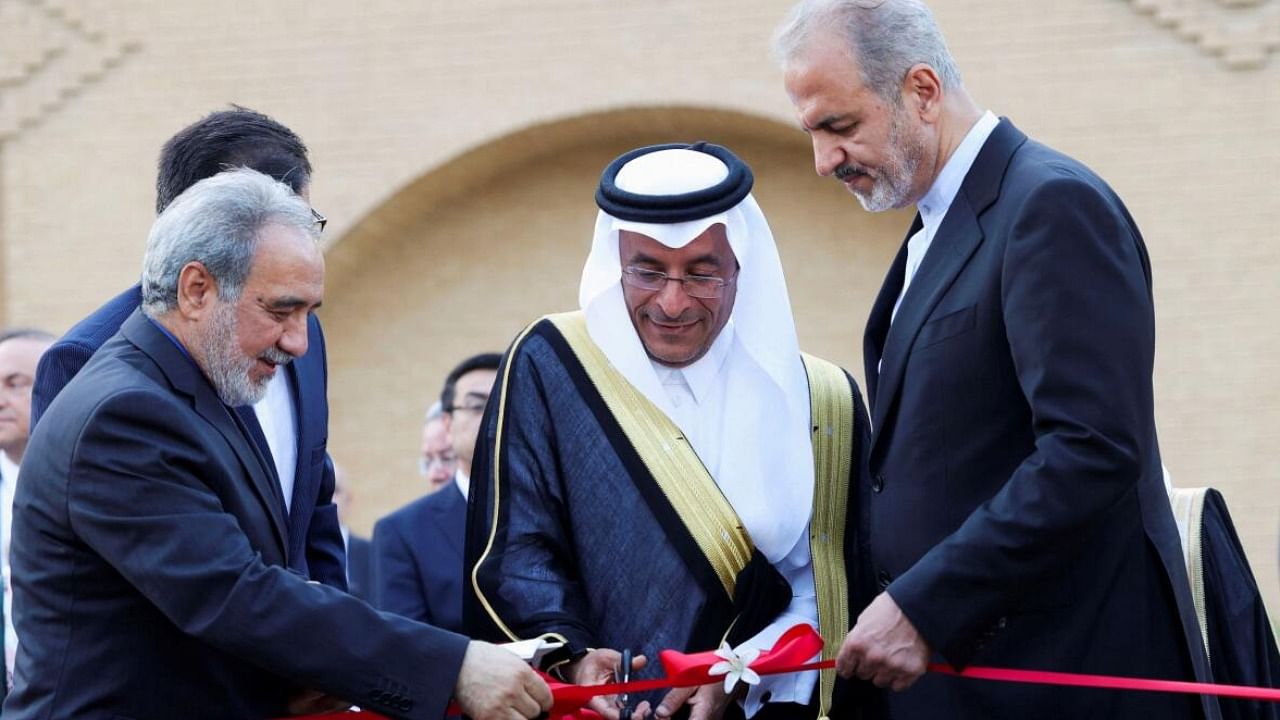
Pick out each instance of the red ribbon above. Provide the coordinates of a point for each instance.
(1112, 682)
(791, 654)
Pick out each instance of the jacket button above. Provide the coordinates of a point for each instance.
(877, 483)
(883, 579)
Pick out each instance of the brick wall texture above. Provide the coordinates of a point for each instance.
(456, 148)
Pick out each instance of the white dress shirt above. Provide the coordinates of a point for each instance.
(279, 424)
(8, 483)
(464, 482)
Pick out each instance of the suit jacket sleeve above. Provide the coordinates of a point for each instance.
(139, 495)
(397, 585)
(57, 366)
(1080, 328)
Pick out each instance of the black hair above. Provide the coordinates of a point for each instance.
(483, 361)
(225, 139)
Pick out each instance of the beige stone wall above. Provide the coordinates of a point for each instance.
(456, 146)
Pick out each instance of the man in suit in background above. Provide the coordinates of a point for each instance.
(417, 550)
(19, 352)
(150, 544)
(359, 562)
(1017, 513)
(438, 462)
(291, 423)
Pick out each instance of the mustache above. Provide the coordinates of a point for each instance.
(276, 356)
(657, 315)
(848, 170)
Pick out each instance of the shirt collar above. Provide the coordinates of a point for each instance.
(701, 375)
(934, 205)
(463, 481)
(8, 468)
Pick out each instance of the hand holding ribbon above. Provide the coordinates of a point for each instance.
(884, 647)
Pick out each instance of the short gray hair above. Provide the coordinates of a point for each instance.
(216, 222)
(885, 37)
(27, 333)
(435, 412)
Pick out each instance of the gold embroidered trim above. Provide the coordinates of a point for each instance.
(832, 409)
(497, 491)
(666, 453)
(1188, 511)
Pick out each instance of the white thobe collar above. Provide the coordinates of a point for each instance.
(704, 374)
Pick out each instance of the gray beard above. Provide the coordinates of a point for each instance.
(226, 367)
(893, 188)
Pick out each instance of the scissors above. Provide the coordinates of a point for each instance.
(624, 676)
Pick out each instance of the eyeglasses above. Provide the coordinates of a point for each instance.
(426, 462)
(320, 219)
(477, 407)
(706, 287)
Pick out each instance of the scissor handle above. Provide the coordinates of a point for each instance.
(624, 675)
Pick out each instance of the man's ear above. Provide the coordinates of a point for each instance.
(922, 91)
(197, 290)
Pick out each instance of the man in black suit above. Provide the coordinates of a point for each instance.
(1017, 512)
(150, 553)
(417, 550)
(359, 557)
(20, 351)
(291, 422)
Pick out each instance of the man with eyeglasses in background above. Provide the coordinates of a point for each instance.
(290, 425)
(438, 462)
(417, 550)
(664, 469)
(20, 350)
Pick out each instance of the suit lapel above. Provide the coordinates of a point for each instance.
(264, 483)
(955, 242)
(881, 313)
(186, 377)
(303, 373)
(451, 518)
(299, 517)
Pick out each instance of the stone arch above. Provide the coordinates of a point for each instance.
(460, 259)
